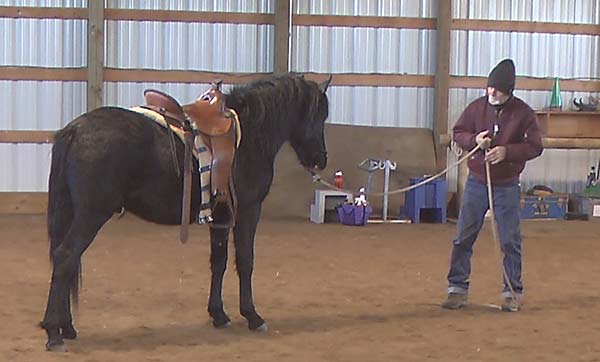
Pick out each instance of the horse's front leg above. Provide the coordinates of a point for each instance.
(218, 263)
(244, 232)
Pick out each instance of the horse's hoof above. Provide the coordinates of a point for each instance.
(53, 347)
(221, 325)
(262, 328)
(68, 333)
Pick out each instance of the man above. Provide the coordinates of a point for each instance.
(506, 127)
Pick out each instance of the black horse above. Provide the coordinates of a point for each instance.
(112, 158)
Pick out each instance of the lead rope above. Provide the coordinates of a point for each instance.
(317, 178)
(498, 247)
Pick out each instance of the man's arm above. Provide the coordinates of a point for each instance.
(463, 132)
(532, 145)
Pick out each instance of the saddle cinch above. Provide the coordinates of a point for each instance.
(209, 119)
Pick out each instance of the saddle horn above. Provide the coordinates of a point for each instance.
(216, 84)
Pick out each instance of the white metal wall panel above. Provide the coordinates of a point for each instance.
(369, 50)
(34, 105)
(50, 105)
(409, 8)
(560, 11)
(43, 42)
(183, 46)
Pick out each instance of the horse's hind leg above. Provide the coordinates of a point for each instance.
(219, 239)
(66, 261)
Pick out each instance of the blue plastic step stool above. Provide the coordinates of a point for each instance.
(430, 197)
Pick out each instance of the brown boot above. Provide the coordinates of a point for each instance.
(455, 301)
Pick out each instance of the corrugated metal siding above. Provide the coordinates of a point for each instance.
(248, 48)
(209, 47)
(43, 42)
(368, 50)
(474, 53)
(32, 105)
(169, 45)
(155, 45)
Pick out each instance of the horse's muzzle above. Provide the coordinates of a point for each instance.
(320, 160)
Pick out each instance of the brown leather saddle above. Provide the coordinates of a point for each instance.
(210, 119)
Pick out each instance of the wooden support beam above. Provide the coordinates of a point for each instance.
(188, 16)
(26, 136)
(95, 55)
(530, 83)
(177, 76)
(375, 79)
(392, 22)
(340, 79)
(281, 54)
(42, 73)
(442, 80)
(525, 27)
(30, 12)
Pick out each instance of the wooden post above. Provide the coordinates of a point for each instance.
(281, 55)
(95, 54)
(442, 80)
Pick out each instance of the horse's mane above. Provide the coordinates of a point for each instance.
(273, 106)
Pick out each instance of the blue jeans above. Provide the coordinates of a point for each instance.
(474, 205)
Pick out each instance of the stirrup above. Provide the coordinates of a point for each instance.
(202, 220)
(222, 215)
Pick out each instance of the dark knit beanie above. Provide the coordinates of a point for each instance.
(502, 77)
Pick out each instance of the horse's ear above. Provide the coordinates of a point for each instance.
(323, 86)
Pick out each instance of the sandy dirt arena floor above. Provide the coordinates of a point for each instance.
(328, 292)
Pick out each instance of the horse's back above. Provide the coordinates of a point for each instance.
(119, 158)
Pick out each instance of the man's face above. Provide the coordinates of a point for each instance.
(496, 97)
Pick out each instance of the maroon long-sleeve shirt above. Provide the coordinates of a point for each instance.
(517, 131)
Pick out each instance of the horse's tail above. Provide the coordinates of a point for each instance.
(60, 206)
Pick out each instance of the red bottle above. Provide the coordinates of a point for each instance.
(338, 179)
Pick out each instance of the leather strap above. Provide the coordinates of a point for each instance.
(187, 187)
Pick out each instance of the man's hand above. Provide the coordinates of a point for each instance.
(496, 154)
(483, 140)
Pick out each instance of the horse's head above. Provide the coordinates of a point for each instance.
(308, 138)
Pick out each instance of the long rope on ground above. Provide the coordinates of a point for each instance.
(498, 247)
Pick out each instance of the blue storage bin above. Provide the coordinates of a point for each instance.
(430, 198)
(548, 207)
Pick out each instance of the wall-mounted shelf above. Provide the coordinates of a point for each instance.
(569, 124)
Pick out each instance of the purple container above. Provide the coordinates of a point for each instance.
(357, 215)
